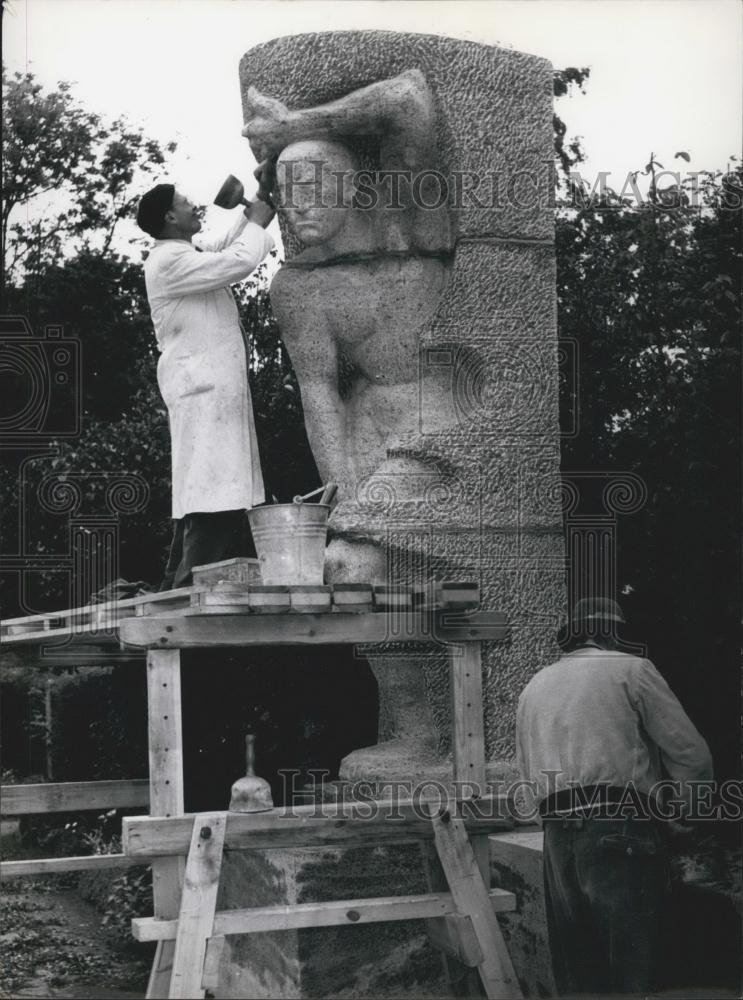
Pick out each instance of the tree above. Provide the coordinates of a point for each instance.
(61, 268)
(563, 80)
(87, 173)
(650, 288)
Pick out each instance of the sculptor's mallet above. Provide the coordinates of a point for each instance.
(231, 194)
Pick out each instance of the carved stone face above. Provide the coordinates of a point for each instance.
(315, 189)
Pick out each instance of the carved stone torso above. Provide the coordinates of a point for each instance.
(358, 325)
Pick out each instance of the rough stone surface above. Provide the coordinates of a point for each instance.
(375, 960)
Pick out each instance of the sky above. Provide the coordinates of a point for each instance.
(666, 75)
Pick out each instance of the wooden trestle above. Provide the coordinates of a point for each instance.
(460, 914)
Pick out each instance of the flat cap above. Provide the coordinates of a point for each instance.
(597, 608)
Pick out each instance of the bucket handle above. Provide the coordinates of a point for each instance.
(328, 493)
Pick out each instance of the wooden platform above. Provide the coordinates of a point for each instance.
(239, 612)
(419, 612)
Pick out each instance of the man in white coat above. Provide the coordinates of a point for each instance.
(202, 374)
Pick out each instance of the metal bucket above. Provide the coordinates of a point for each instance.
(290, 541)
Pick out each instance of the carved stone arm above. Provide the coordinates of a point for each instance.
(399, 110)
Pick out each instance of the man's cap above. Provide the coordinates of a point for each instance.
(152, 208)
(597, 609)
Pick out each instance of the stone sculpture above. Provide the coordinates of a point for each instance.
(352, 305)
(417, 304)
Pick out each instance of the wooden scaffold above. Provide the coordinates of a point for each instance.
(226, 607)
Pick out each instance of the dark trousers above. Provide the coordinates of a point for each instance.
(201, 538)
(607, 887)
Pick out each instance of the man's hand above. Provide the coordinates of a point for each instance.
(265, 174)
(267, 117)
(260, 213)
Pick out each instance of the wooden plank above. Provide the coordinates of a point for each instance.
(335, 913)
(31, 628)
(240, 570)
(353, 597)
(387, 598)
(426, 597)
(310, 599)
(262, 629)
(166, 603)
(165, 732)
(255, 629)
(468, 737)
(316, 825)
(458, 595)
(173, 596)
(59, 638)
(231, 608)
(147, 610)
(54, 866)
(80, 655)
(472, 899)
(87, 623)
(52, 620)
(224, 587)
(198, 905)
(212, 959)
(439, 932)
(166, 796)
(182, 629)
(455, 935)
(270, 599)
(159, 630)
(158, 985)
(226, 594)
(462, 626)
(73, 796)
(146, 838)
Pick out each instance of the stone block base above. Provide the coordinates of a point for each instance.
(516, 865)
(377, 960)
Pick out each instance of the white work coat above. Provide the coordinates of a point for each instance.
(202, 371)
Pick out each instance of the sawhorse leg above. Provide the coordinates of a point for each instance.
(467, 863)
(166, 796)
(198, 905)
(470, 894)
(468, 734)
